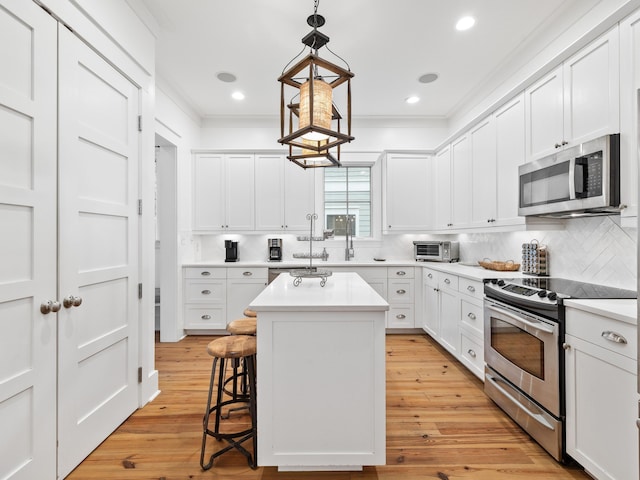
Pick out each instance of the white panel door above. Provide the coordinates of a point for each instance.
(483, 167)
(27, 241)
(269, 192)
(98, 250)
(461, 186)
(406, 197)
(442, 188)
(544, 115)
(240, 192)
(299, 196)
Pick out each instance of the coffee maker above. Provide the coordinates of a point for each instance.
(275, 249)
(231, 251)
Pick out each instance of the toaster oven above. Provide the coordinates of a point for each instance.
(436, 251)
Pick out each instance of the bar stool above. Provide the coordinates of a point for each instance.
(240, 326)
(234, 347)
(243, 326)
(250, 313)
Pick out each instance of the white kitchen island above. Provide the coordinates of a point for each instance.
(321, 374)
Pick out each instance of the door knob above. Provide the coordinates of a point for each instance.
(49, 306)
(72, 301)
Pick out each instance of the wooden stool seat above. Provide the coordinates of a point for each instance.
(250, 313)
(243, 326)
(234, 346)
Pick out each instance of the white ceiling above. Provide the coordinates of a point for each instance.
(387, 43)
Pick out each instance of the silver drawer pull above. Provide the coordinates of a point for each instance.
(401, 316)
(206, 292)
(205, 274)
(471, 353)
(447, 281)
(401, 273)
(471, 315)
(471, 288)
(614, 337)
(401, 292)
(430, 275)
(206, 317)
(247, 274)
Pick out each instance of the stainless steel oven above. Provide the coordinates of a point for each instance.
(522, 371)
(524, 331)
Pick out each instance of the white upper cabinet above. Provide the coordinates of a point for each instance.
(284, 194)
(510, 153)
(408, 204)
(442, 189)
(223, 193)
(461, 182)
(629, 86)
(577, 101)
(483, 167)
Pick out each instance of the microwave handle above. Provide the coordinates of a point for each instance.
(580, 177)
(572, 179)
(522, 321)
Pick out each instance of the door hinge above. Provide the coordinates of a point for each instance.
(139, 206)
(139, 290)
(139, 374)
(139, 123)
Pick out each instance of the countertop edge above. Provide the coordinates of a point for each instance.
(625, 310)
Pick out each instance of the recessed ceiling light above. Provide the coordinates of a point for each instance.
(465, 23)
(237, 95)
(428, 78)
(412, 99)
(226, 77)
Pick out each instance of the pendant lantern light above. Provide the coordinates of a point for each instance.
(314, 121)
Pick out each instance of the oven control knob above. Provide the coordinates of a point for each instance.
(552, 296)
(542, 293)
(500, 283)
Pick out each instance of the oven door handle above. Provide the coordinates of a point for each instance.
(535, 416)
(533, 324)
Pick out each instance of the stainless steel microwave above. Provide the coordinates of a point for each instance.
(435, 251)
(581, 180)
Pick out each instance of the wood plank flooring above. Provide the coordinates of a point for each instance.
(440, 425)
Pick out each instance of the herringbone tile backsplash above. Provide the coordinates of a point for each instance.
(591, 249)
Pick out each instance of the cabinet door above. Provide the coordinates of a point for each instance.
(442, 189)
(461, 182)
(299, 197)
(208, 193)
(510, 153)
(240, 192)
(591, 90)
(28, 93)
(601, 410)
(449, 321)
(483, 166)
(431, 315)
(240, 293)
(407, 201)
(270, 197)
(544, 115)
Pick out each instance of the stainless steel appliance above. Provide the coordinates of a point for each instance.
(231, 251)
(436, 251)
(275, 249)
(524, 364)
(581, 180)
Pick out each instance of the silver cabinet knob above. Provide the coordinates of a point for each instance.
(401, 292)
(247, 274)
(471, 315)
(613, 337)
(471, 353)
(206, 292)
(401, 316)
(471, 288)
(206, 317)
(566, 346)
(72, 301)
(205, 273)
(447, 281)
(49, 306)
(400, 273)
(430, 275)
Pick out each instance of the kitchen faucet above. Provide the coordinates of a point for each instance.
(348, 235)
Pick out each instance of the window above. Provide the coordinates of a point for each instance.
(347, 191)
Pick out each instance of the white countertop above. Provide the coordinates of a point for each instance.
(625, 310)
(342, 292)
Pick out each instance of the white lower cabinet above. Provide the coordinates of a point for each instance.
(452, 314)
(214, 296)
(601, 384)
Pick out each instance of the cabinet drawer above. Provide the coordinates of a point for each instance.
(255, 273)
(447, 281)
(204, 318)
(400, 272)
(472, 354)
(400, 291)
(204, 272)
(400, 317)
(473, 288)
(472, 315)
(430, 277)
(203, 291)
(605, 332)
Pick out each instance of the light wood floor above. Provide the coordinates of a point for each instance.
(440, 425)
